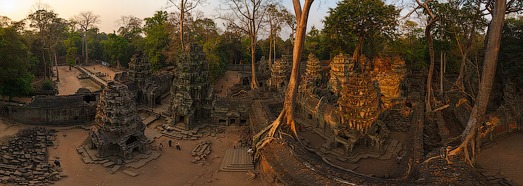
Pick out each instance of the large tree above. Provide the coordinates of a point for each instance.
(471, 141)
(185, 6)
(115, 49)
(15, 58)
(156, 39)
(130, 27)
(41, 20)
(277, 15)
(86, 20)
(360, 21)
(247, 17)
(286, 116)
(427, 8)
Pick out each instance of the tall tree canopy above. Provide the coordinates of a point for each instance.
(355, 20)
(156, 39)
(15, 79)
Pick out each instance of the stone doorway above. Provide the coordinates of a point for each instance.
(180, 119)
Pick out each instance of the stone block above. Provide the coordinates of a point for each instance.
(108, 164)
(130, 173)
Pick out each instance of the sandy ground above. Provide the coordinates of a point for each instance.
(505, 155)
(69, 82)
(223, 85)
(173, 167)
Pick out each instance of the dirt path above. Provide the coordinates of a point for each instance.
(505, 155)
(223, 85)
(69, 83)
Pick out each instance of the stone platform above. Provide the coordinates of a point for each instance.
(89, 157)
(237, 160)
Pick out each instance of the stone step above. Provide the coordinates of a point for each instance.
(237, 160)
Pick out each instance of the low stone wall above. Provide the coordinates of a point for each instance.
(239, 67)
(52, 110)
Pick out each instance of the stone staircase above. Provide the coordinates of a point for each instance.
(237, 160)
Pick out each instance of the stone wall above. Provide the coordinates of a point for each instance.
(324, 116)
(239, 67)
(52, 110)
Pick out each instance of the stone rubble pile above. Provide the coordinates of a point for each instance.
(24, 159)
(201, 151)
(179, 132)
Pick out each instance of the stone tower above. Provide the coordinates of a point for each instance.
(192, 94)
(359, 103)
(280, 72)
(312, 76)
(140, 73)
(140, 70)
(389, 79)
(341, 68)
(118, 131)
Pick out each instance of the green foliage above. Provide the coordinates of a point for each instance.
(511, 55)
(354, 20)
(115, 48)
(156, 39)
(15, 79)
(316, 44)
(47, 85)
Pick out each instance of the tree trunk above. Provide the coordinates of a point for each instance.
(464, 54)
(86, 50)
(56, 64)
(182, 12)
(45, 65)
(83, 49)
(270, 50)
(254, 83)
(485, 86)
(428, 105)
(459, 80)
(287, 113)
(357, 51)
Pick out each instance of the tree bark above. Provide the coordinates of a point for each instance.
(86, 50)
(270, 50)
(254, 83)
(428, 105)
(56, 64)
(287, 114)
(357, 51)
(182, 12)
(485, 86)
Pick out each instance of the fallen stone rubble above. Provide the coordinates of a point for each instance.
(24, 159)
(201, 152)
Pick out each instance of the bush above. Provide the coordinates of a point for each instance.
(48, 85)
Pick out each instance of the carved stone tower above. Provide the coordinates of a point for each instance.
(280, 72)
(118, 131)
(341, 68)
(192, 94)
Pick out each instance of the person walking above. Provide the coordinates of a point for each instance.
(160, 146)
(170, 142)
(57, 163)
(178, 146)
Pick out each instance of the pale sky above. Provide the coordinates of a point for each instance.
(112, 10)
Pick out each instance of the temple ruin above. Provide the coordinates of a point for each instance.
(118, 131)
(192, 94)
(340, 68)
(280, 73)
